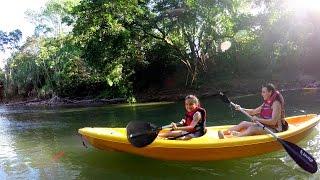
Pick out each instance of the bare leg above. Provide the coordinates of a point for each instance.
(239, 127)
(170, 134)
(252, 130)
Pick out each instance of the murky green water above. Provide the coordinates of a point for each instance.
(42, 143)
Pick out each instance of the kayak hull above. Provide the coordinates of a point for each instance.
(206, 148)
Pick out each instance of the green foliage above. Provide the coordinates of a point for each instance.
(24, 72)
(2, 76)
(109, 48)
(10, 40)
(54, 19)
(161, 62)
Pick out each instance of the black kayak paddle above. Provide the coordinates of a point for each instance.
(141, 134)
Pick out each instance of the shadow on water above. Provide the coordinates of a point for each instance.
(42, 143)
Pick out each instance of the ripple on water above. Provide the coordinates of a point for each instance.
(3, 174)
(30, 139)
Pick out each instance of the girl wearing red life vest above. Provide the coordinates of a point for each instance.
(270, 113)
(193, 125)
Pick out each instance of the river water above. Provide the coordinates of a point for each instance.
(43, 143)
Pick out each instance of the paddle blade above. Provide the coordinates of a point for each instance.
(224, 98)
(300, 156)
(141, 134)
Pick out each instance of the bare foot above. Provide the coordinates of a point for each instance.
(226, 132)
(161, 137)
(235, 133)
(221, 134)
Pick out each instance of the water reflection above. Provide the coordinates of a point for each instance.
(42, 143)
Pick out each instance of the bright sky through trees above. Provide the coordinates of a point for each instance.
(12, 16)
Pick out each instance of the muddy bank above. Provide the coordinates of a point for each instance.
(58, 101)
(233, 88)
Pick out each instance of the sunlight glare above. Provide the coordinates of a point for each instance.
(303, 5)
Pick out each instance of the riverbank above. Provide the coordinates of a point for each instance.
(235, 87)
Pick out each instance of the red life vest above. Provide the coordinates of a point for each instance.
(189, 118)
(266, 110)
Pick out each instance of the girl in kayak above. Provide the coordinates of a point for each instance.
(270, 113)
(194, 123)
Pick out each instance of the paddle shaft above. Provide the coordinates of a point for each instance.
(166, 126)
(249, 116)
(143, 133)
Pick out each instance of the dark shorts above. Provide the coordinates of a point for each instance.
(271, 128)
(195, 134)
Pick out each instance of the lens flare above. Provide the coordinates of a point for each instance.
(225, 46)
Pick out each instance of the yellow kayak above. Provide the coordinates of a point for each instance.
(206, 148)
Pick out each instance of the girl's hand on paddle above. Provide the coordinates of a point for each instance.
(182, 121)
(237, 107)
(174, 126)
(255, 119)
